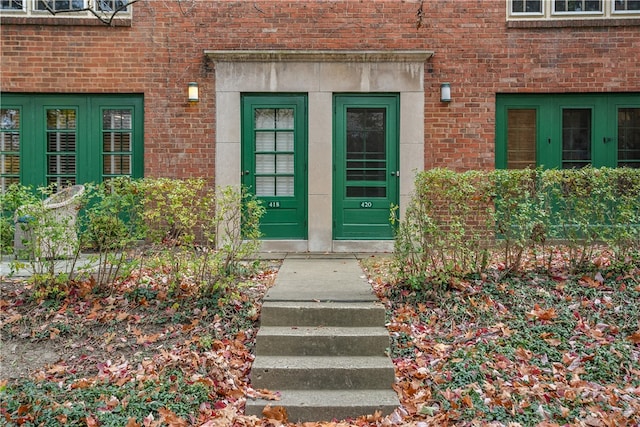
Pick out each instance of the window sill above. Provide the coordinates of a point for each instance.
(65, 21)
(561, 23)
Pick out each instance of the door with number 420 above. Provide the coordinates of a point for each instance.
(365, 166)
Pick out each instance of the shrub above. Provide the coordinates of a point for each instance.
(203, 233)
(16, 195)
(111, 223)
(454, 218)
(446, 224)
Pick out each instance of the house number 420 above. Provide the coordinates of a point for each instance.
(366, 204)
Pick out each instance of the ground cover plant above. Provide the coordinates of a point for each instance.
(536, 348)
(141, 352)
(530, 332)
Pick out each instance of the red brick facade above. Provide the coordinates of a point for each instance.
(475, 48)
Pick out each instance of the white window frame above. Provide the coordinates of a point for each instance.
(622, 12)
(598, 13)
(29, 9)
(18, 11)
(525, 14)
(548, 12)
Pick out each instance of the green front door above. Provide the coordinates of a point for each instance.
(365, 166)
(274, 153)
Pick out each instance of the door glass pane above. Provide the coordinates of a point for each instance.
(576, 137)
(360, 191)
(284, 186)
(284, 118)
(629, 137)
(265, 141)
(61, 147)
(265, 186)
(274, 151)
(285, 141)
(116, 165)
(9, 147)
(264, 118)
(366, 152)
(284, 163)
(116, 142)
(265, 163)
(521, 139)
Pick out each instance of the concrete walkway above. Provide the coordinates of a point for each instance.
(13, 268)
(320, 278)
(322, 342)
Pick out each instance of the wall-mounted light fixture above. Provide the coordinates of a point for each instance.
(193, 92)
(445, 92)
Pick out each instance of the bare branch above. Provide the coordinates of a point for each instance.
(420, 16)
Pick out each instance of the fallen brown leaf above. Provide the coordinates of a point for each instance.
(276, 413)
(635, 337)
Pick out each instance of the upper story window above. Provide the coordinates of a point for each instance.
(67, 8)
(577, 6)
(572, 9)
(60, 5)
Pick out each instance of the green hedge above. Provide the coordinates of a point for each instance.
(454, 221)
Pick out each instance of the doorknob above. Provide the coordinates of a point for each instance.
(245, 172)
(396, 173)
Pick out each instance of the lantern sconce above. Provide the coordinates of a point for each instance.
(445, 92)
(193, 92)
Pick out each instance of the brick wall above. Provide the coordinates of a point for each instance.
(476, 51)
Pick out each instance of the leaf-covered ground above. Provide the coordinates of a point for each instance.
(547, 349)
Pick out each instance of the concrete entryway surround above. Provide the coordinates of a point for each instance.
(320, 75)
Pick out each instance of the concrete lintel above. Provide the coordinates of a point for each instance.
(319, 55)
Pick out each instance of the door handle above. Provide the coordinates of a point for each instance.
(395, 173)
(245, 172)
(606, 139)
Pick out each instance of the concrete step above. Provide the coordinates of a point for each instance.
(314, 405)
(321, 341)
(322, 372)
(305, 313)
(322, 344)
